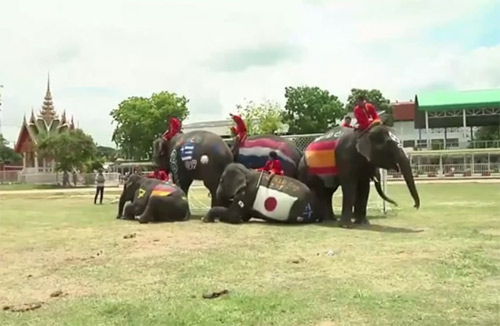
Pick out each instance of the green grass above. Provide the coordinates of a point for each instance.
(24, 186)
(436, 266)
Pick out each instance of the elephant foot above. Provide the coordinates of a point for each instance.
(143, 220)
(346, 224)
(362, 221)
(206, 219)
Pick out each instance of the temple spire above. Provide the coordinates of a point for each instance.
(48, 112)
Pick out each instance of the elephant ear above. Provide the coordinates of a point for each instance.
(364, 146)
(233, 181)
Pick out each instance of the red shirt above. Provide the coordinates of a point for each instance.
(365, 115)
(173, 128)
(241, 128)
(273, 166)
(162, 175)
(347, 125)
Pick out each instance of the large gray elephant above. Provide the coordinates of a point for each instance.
(196, 155)
(152, 200)
(350, 159)
(248, 193)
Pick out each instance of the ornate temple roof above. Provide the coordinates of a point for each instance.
(47, 123)
(48, 113)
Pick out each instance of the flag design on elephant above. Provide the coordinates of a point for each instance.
(187, 151)
(254, 152)
(320, 156)
(163, 190)
(273, 204)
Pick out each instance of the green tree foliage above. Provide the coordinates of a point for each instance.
(71, 150)
(141, 120)
(311, 110)
(261, 118)
(375, 97)
(488, 133)
(7, 154)
(107, 153)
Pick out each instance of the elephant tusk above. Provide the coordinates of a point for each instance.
(260, 179)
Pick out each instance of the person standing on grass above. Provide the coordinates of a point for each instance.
(99, 190)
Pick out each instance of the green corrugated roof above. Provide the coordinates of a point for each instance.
(456, 100)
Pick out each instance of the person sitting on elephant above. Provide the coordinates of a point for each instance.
(365, 113)
(159, 174)
(174, 126)
(239, 131)
(273, 165)
(347, 122)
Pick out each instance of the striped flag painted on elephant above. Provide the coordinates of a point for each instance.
(320, 157)
(162, 190)
(262, 147)
(273, 203)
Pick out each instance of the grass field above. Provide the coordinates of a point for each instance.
(436, 266)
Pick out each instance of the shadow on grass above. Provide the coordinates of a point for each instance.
(371, 227)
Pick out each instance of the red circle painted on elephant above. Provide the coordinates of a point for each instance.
(270, 204)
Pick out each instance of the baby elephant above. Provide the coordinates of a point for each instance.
(152, 200)
(246, 193)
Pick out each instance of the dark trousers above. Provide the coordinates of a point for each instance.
(99, 190)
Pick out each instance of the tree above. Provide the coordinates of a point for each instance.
(311, 109)
(70, 149)
(107, 153)
(488, 133)
(261, 118)
(7, 154)
(375, 97)
(141, 120)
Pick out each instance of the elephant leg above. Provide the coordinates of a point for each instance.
(184, 184)
(224, 214)
(361, 201)
(129, 212)
(147, 215)
(348, 194)
(329, 202)
(212, 185)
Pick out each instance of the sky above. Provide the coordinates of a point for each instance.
(218, 53)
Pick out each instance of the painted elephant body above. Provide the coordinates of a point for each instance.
(254, 152)
(152, 200)
(196, 155)
(350, 158)
(250, 193)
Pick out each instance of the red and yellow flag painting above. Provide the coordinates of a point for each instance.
(162, 190)
(320, 158)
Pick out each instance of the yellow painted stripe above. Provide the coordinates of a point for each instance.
(160, 193)
(320, 159)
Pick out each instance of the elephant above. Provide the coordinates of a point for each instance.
(196, 155)
(351, 158)
(274, 198)
(152, 200)
(254, 152)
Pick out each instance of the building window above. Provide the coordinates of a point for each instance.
(421, 143)
(451, 142)
(437, 143)
(408, 143)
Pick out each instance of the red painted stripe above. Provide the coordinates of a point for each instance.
(326, 170)
(322, 145)
(270, 143)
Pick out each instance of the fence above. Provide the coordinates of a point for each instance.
(82, 179)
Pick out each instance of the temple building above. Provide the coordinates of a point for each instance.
(45, 124)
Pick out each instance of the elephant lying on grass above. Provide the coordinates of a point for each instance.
(152, 200)
(248, 193)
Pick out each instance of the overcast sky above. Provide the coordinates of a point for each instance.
(218, 52)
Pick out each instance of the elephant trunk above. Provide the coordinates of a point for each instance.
(405, 167)
(121, 205)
